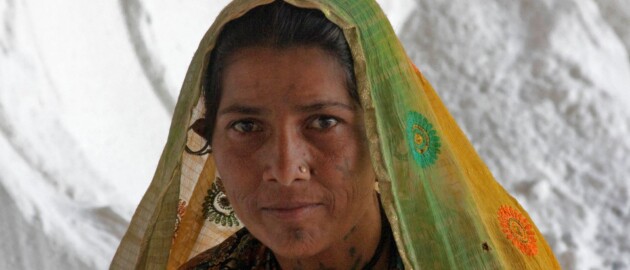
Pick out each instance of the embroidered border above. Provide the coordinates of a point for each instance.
(181, 211)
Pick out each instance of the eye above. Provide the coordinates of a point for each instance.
(246, 126)
(323, 122)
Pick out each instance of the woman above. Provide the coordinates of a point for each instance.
(332, 150)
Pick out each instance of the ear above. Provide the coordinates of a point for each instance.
(199, 127)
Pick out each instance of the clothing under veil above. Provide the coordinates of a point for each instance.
(444, 207)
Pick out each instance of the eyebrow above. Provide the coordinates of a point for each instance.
(322, 105)
(241, 109)
(317, 106)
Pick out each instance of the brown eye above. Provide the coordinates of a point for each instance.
(246, 126)
(323, 122)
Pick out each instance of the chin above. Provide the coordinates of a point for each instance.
(295, 244)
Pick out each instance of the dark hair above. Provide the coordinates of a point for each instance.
(277, 25)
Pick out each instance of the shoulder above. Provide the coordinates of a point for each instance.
(241, 250)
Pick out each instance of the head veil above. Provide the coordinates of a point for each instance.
(445, 208)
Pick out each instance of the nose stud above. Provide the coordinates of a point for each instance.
(302, 169)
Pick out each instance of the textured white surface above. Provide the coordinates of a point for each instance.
(86, 88)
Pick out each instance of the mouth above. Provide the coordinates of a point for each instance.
(291, 211)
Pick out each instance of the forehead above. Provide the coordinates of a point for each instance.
(258, 74)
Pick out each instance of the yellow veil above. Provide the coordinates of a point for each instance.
(445, 209)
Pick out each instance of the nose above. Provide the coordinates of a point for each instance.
(287, 158)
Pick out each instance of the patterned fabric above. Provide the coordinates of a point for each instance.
(243, 251)
(239, 251)
(445, 209)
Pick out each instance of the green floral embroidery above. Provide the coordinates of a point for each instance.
(423, 139)
(217, 208)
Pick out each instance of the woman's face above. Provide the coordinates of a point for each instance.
(280, 110)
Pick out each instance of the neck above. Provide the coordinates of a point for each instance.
(354, 250)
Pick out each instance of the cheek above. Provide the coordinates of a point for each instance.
(233, 160)
(349, 176)
(238, 179)
(349, 155)
(243, 199)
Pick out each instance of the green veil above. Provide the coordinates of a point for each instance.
(445, 208)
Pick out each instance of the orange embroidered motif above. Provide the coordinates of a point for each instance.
(181, 210)
(518, 229)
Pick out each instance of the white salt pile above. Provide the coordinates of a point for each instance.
(86, 91)
(542, 90)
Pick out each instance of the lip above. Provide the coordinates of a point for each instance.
(291, 211)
